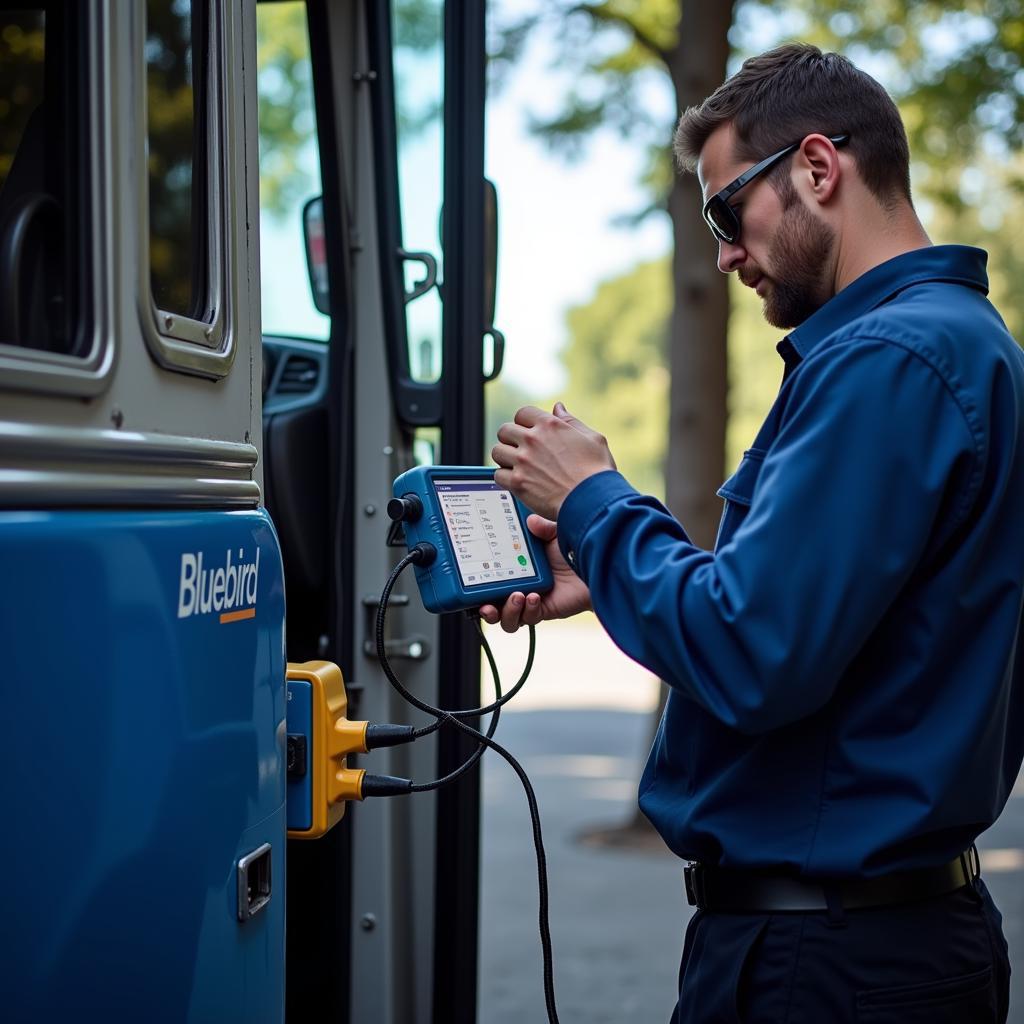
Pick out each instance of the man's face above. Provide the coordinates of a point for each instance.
(783, 250)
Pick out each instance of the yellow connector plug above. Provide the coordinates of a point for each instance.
(332, 738)
(348, 784)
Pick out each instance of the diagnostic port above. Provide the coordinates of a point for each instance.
(296, 755)
(253, 882)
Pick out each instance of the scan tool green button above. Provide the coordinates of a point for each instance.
(522, 559)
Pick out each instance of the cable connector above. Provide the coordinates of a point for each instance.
(358, 784)
(406, 509)
(389, 735)
(423, 553)
(385, 785)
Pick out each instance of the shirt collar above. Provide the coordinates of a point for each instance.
(959, 264)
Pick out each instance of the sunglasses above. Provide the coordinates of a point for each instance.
(723, 219)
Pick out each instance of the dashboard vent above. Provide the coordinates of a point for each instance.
(299, 376)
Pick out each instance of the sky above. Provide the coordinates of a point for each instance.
(556, 237)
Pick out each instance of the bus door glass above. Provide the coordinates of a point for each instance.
(418, 58)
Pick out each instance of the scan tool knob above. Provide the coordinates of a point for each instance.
(406, 509)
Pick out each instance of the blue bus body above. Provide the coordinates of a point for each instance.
(147, 742)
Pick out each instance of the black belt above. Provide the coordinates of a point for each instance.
(725, 889)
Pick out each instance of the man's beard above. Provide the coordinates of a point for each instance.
(801, 251)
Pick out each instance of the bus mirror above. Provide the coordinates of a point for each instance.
(316, 252)
(490, 251)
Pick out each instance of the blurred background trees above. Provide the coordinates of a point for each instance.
(642, 355)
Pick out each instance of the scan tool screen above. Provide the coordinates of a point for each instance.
(486, 532)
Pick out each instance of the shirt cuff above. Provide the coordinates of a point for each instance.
(584, 503)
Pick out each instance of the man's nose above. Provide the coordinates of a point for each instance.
(731, 256)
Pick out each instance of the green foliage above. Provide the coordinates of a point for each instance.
(618, 381)
(417, 32)
(287, 121)
(755, 370)
(22, 44)
(618, 373)
(501, 400)
(955, 71)
(614, 53)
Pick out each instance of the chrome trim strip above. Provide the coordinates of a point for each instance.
(42, 467)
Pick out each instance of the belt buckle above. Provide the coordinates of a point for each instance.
(693, 879)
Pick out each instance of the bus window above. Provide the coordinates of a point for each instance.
(178, 203)
(417, 28)
(186, 254)
(39, 85)
(289, 170)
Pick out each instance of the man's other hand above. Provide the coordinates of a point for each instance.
(568, 596)
(543, 456)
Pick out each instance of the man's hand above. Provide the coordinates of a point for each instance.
(568, 596)
(543, 456)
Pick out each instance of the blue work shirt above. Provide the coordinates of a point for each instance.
(846, 697)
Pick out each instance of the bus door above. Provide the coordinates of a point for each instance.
(374, 322)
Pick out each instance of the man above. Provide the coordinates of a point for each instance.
(847, 709)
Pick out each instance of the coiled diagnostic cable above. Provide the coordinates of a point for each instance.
(420, 554)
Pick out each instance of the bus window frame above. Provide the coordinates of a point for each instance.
(203, 348)
(89, 374)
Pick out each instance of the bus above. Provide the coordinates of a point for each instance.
(247, 265)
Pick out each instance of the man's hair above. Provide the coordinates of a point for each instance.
(795, 90)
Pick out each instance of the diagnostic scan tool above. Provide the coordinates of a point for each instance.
(484, 552)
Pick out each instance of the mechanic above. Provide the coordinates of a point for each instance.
(846, 712)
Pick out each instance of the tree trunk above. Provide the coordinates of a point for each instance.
(698, 387)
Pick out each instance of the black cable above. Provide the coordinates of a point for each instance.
(382, 607)
(542, 864)
(499, 699)
(426, 787)
(454, 718)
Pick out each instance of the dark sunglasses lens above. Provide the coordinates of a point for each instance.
(722, 220)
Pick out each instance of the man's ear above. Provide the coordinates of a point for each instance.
(818, 168)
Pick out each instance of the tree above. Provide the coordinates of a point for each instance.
(287, 123)
(618, 369)
(618, 375)
(616, 53)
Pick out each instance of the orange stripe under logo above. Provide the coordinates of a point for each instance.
(245, 613)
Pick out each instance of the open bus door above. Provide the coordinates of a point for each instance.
(382, 911)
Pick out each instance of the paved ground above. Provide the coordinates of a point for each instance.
(617, 918)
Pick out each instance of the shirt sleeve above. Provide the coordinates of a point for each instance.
(872, 456)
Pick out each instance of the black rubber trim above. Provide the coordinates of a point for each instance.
(457, 883)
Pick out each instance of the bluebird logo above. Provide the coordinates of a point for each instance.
(228, 589)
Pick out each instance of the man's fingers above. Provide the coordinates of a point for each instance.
(511, 433)
(511, 612)
(540, 527)
(504, 455)
(519, 610)
(560, 412)
(530, 415)
(532, 613)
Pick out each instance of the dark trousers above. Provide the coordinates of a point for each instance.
(938, 961)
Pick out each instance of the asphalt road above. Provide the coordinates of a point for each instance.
(617, 916)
